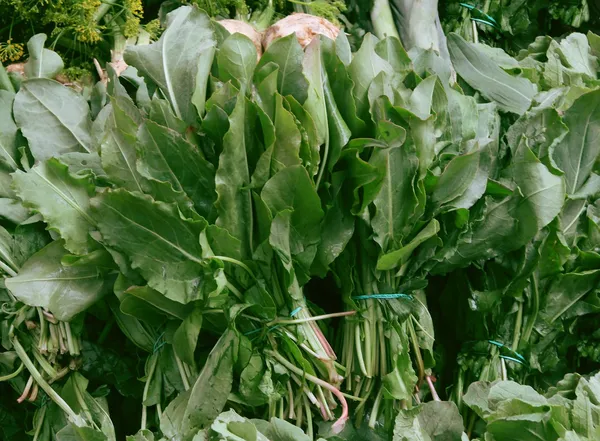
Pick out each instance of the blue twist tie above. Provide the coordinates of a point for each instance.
(501, 345)
(383, 296)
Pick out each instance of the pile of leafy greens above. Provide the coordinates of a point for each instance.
(313, 243)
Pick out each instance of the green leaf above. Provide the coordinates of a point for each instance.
(433, 421)
(288, 55)
(399, 257)
(565, 291)
(363, 69)
(236, 60)
(281, 430)
(164, 155)
(396, 203)
(315, 102)
(42, 63)
(580, 147)
(292, 189)
(179, 62)
(199, 406)
(8, 131)
(53, 118)
(232, 180)
(62, 199)
(65, 290)
(142, 435)
(161, 245)
(185, 338)
(480, 72)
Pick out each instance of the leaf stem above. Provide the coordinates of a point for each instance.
(310, 319)
(13, 374)
(40, 380)
(341, 421)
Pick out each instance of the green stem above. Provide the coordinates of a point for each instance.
(535, 308)
(383, 20)
(375, 410)
(103, 9)
(518, 325)
(40, 423)
(417, 349)
(310, 319)
(184, 378)
(37, 377)
(339, 424)
(3, 266)
(147, 387)
(13, 374)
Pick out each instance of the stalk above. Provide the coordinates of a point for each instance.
(382, 20)
(341, 421)
(40, 380)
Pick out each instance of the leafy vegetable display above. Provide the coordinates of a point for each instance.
(245, 236)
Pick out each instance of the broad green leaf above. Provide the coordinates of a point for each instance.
(162, 113)
(399, 257)
(166, 156)
(158, 301)
(433, 421)
(363, 69)
(141, 435)
(288, 55)
(64, 290)
(185, 338)
(232, 180)
(396, 203)
(480, 72)
(8, 131)
(161, 245)
(13, 211)
(281, 430)
(198, 407)
(285, 150)
(315, 102)
(236, 60)
(179, 62)
(580, 148)
(42, 63)
(231, 427)
(342, 87)
(61, 198)
(463, 181)
(53, 118)
(292, 189)
(118, 155)
(565, 291)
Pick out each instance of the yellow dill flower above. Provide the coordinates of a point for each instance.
(87, 34)
(10, 51)
(134, 7)
(132, 27)
(153, 28)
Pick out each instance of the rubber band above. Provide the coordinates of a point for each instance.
(295, 311)
(383, 296)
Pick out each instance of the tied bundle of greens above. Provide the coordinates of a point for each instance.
(525, 304)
